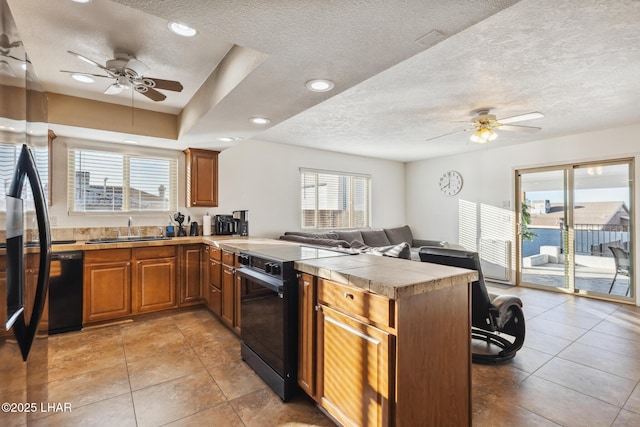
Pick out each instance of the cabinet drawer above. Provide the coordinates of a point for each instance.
(215, 253)
(369, 307)
(155, 252)
(107, 255)
(228, 258)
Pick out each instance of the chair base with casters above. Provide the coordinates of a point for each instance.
(494, 318)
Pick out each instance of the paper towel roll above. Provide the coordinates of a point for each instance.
(206, 225)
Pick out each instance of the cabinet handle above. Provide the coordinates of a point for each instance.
(348, 295)
(317, 308)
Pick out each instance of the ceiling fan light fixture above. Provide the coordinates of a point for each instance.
(182, 29)
(82, 78)
(483, 135)
(320, 85)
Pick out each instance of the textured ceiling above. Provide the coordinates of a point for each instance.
(575, 61)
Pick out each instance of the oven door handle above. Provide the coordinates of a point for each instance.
(270, 283)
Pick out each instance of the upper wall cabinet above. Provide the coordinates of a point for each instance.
(202, 177)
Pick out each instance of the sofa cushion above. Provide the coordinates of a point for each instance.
(334, 243)
(375, 238)
(348, 235)
(328, 235)
(402, 250)
(399, 234)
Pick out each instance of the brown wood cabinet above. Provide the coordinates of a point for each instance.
(107, 284)
(191, 274)
(202, 177)
(231, 292)
(307, 334)
(355, 382)
(154, 279)
(386, 362)
(215, 280)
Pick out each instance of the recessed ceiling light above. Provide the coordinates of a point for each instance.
(320, 85)
(182, 29)
(259, 120)
(83, 78)
(131, 141)
(82, 1)
(227, 138)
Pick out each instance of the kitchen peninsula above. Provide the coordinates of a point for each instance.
(382, 341)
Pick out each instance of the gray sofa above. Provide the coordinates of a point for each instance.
(397, 242)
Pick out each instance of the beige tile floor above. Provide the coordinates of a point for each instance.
(580, 366)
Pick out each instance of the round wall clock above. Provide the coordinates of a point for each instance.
(450, 183)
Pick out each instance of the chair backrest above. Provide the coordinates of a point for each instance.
(481, 303)
(621, 257)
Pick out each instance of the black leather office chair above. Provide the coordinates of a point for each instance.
(491, 315)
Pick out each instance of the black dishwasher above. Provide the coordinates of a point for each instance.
(65, 292)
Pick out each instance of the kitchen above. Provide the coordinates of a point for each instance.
(136, 271)
(236, 163)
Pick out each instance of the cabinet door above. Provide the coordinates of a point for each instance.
(306, 334)
(228, 304)
(237, 295)
(215, 300)
(107, 291)
(190, 286)
(215, 273)
(155, 287)
(354, 379)
(202, 177)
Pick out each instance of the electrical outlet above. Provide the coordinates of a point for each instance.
(53, 221)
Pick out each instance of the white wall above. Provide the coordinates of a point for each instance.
(257, 176)
(489, 179)
(264, 178)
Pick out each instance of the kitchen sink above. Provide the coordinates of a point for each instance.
(126, 239)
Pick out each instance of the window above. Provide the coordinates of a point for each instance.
(9, 154)
(334, 200)
(100, 181)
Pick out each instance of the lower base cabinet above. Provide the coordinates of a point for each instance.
(369, 360)
(155, 275)
(107, 285)
(354, 380)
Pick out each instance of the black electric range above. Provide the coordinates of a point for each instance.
(269, 312)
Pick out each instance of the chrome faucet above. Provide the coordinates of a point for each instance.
(129, 227)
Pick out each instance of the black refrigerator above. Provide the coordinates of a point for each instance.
(23, 216)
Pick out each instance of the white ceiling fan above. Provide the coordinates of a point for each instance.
(129, 73)
(484, 125)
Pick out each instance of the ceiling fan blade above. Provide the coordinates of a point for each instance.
(446, 134)
(85, 74)
(521, 118)
(90, 61)
(114, 89)
(150, 93)
(165, 84)
(518, 128)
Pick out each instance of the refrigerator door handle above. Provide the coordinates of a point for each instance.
(25, 332)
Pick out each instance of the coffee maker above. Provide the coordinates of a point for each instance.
(223, 225)
(241, 219)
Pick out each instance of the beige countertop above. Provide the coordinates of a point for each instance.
(391, 277)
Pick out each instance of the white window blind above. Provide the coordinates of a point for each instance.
(100, 181)
(334, 200)
(9, 154)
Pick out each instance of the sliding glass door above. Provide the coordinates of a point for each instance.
(575, 228)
